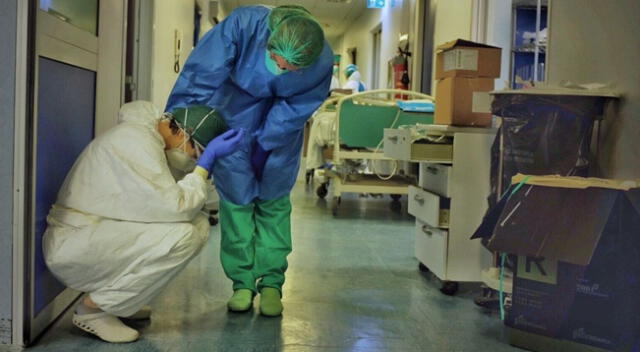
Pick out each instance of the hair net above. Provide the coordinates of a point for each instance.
(350, 69)
(298, 39)
(283, 12)
(200, 122)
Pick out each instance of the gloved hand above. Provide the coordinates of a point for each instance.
(258, 160)
(221, 146)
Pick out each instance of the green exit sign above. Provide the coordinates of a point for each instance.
(375, 4)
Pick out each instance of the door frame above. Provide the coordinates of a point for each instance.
(62, 42)
(39, 34)
(21, 188)
(424, 56)
(141, 49)
(376, 56)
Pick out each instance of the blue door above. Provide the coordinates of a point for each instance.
(65, 125)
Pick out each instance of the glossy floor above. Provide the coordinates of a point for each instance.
(352, 285)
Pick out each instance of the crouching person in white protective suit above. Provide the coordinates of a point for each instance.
(123, 226)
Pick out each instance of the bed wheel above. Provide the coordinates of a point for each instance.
(423, 268)
(322, 191)
(449, 288)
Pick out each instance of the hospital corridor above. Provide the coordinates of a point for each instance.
(320, 175)
(352, 289)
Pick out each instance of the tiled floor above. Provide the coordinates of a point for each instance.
(352, 285)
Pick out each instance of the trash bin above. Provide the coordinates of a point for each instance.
(542, 134)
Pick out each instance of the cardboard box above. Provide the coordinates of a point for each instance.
(577, 276)
(463, 58)
(534, 342)
(463, 101)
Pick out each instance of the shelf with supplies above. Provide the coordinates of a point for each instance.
(542, 49)
(449, 200)
(530, 40)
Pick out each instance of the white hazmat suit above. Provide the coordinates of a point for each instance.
(354, 83)
(122, 227)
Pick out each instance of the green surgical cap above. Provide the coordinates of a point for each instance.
(297, 39)
(350, 69)
(280, 13)
(201, 122)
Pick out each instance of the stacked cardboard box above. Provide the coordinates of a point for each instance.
(465, 72)
(577, 276)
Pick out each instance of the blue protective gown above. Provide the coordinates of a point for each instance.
(227, 72)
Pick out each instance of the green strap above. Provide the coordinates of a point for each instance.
(503, 256)
(519, 185)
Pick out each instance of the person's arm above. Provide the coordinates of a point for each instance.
(288, 115)
(208, 66)
(134, 182)
(189, 194)
(202, 172)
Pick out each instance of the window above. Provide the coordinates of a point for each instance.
(82, 14)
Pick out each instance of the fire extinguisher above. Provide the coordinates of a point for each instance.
(401, 71)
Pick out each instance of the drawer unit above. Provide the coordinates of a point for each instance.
(449, 198)
(399, 145)
(428, 207)
(431, 248)
(436, 178)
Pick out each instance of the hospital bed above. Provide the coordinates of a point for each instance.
(358, 162)
(321, 135)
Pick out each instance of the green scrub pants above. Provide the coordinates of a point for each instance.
(255, 242)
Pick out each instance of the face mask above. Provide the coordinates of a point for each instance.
(180, 160)
(272, 65)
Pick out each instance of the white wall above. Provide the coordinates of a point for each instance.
(169, 15)
(336, 44)
(499, 33)
(598, 41)
(206, 24)
(453, 21)
(394, 21)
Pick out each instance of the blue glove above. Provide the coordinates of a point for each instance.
(258, 160)
(221, 146)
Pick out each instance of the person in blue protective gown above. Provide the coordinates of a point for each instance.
(265, 70)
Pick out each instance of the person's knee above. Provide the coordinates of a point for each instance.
(195, 235)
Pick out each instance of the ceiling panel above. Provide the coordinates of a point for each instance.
(305, 3)
(253, 2)
(332, 11)
(334, 17)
